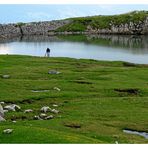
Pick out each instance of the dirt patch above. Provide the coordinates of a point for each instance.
(133, 91)
(27, 101)
(82, 82)
(72, 125)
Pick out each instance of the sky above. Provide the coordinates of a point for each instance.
(13, 13)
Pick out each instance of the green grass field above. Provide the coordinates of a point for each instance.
(98, 99)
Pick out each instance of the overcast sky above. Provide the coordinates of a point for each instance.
(28, 13)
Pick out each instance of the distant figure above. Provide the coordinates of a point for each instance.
(47, 52)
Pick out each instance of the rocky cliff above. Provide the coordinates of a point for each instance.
(130, 23)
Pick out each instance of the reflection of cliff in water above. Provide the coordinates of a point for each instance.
(136, 44)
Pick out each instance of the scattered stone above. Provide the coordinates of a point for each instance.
(53, 72)
(28, 111)
(6, 76)
(56, 88)
(1, 111)
(5, 111)
(2, 119)
(54, 111)
(40, 90)
(116, 142)
(12, 107)
(43, 115)
(45, 109)
(37, 118)
(7, 131)
(14, 121)
(55, 105)
(2, 102)
(49, 117)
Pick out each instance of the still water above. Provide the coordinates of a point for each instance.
(101, 47)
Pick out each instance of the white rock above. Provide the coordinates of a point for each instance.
(14, 121)
(54, 111)
(54, 72)
(43, 115)
(28, 111)
(6, 76)
(37, 118)
(1, 111)
(12, 107)
(55, 105)
(56, 88)
(5, 111)
(116, 142)
(45, 109)
(2, 119)
(49, 117)
(2, 102)
(7, 131)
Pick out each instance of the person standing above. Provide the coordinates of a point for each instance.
(47, 52)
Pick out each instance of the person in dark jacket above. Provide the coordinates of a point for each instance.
(47, 52)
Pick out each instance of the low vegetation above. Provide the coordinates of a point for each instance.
(103, 22)
(96, 100)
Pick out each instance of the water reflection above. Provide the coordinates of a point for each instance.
(102, 47)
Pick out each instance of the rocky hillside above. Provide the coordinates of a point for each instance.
(130, 23)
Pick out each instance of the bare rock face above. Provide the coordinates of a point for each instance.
(140, 27)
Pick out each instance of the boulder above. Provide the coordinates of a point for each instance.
(12, 107)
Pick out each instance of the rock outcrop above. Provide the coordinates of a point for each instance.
(51, 28)
(34, 28)
(140, 27)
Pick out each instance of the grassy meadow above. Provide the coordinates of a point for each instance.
(97, 100)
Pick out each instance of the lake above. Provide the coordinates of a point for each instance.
(100, 47)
